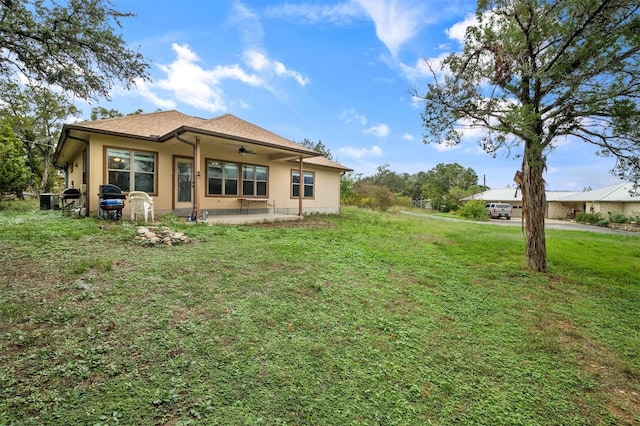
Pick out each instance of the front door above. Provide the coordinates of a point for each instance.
(183, 183)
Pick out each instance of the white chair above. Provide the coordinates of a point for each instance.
(141, 203)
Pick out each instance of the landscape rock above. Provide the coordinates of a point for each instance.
(153, 235)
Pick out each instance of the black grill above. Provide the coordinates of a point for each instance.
(70, 197)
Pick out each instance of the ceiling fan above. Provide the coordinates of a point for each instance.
(242, 151)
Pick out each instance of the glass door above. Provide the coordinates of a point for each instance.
(183, 182)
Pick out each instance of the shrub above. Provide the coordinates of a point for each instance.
(603, 222)
(592, 218)
(373, 196)
(618, 218)
(474, 209)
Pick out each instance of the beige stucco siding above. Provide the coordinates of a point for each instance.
(326, 183)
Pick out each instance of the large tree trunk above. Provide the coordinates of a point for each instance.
(534, 203)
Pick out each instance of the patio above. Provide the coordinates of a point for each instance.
(246, 219)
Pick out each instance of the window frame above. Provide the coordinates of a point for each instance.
(131, 170)
(295, 185)
(240, 179)
(223, 184)
(255, 181)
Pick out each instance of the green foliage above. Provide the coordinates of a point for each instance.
(372, 196)
(318, 147)
(14, 173)
(473, 209)
(75, 46)
(385, 319)
(582, 65)
(585, 217)
(616, 217)
(447, 184)
(36, 115)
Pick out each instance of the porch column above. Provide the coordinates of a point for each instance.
(196, 178)
(301, 188)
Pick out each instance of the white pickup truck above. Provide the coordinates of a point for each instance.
(498, 210)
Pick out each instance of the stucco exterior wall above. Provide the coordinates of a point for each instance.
(326, 183)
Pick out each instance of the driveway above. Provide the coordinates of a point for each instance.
(549, 224)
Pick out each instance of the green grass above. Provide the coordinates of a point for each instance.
(364, 318)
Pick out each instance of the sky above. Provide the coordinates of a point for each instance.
(341, 72)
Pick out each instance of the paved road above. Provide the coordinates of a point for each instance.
(549, 224)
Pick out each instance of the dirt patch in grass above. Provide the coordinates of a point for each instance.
(305, 223)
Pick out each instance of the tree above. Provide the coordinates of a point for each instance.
(102, 113)
(14, 173)
(318, 147)
(390, 179)
(74, 47)
(446, 183)
(532, 71)
(36, 115)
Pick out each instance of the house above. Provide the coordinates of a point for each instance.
(513, 197)
(562, 204)
(620, 198)
(223, 165)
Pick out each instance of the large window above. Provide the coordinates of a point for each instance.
(222, 178)
(254, 180)
(308, 183)
(131, 170)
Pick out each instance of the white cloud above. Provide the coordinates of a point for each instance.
(458, 30)
(396, 21)
(379, 130)
(261, 63)
(407, 137)
(339, 14)
(425, 68)
(143, 89)
(188, 82)
(350, 115)
(358, 152)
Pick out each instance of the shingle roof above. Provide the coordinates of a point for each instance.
(150, 125)
(162, 125)
(325, 162)
(231, 125)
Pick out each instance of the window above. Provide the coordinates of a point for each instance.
(131, 170)
(254, 180)
(222, 178)
(308, 183)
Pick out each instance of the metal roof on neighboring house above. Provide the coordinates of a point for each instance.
(510, 195)
(623, 192)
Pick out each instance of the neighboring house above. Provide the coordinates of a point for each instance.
(619, 198)
(513, 197)
(190, 164)
(562, 204)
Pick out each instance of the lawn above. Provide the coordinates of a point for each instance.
(364, 318)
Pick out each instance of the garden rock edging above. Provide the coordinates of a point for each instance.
(160, 235)
(630, 227)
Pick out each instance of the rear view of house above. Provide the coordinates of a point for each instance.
(223, 165)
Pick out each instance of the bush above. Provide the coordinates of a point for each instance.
(473, 210)
(591, 218)
(603, 222)
(618, 218)
(372, 197)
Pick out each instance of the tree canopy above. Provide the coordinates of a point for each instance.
(533, 71)
(74, 47)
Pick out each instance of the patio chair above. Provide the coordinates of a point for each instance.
(141, 203)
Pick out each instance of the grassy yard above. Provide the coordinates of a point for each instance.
(364, 319)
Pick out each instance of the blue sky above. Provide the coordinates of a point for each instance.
(337, 71)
